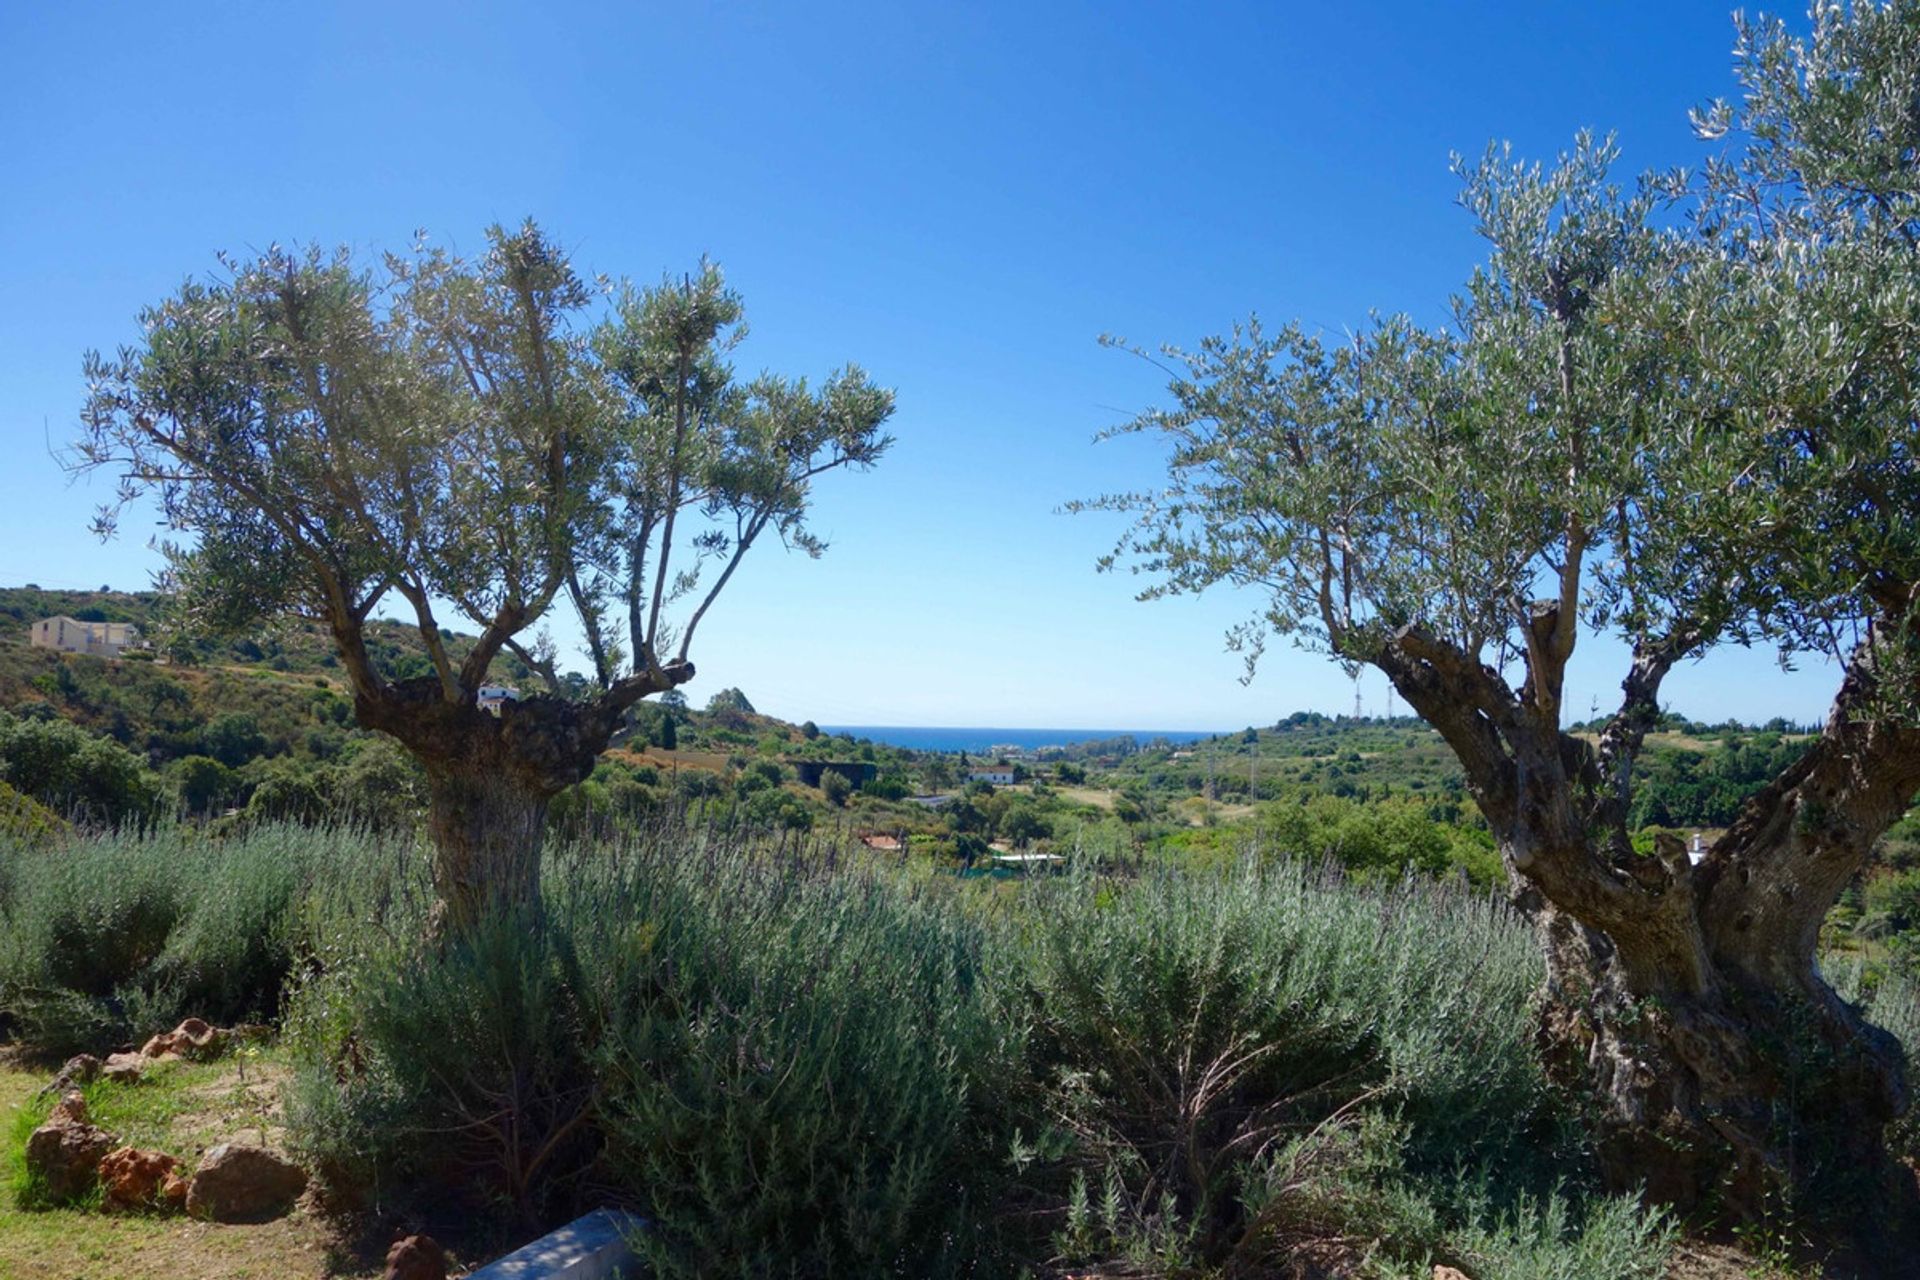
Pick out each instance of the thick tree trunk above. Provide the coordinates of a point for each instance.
(490, 778)
(486, 829)
(1733, 1101)
(1684, 1002)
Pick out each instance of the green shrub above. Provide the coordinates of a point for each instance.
(806, 1080)
(287, 792)
(71, 771)
(24, 818)
(783, 1068)
(1552, 1238)
(379, 787)
(801, 1064)
(111, 938)
(478, 1078)
(1185, 1024)
(1378, 841)
(204, 784)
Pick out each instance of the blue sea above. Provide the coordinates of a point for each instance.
(932, 738)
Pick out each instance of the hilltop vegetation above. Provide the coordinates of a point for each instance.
(267, 716)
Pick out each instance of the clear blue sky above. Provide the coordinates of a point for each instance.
(959, 197)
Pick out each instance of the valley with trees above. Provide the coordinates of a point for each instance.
(401, 863)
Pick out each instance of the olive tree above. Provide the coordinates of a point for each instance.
(469, 440)
(1681, 415)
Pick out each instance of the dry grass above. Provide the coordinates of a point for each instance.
(1095, 796)
(672, 761)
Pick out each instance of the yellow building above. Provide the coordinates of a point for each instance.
(102, 639)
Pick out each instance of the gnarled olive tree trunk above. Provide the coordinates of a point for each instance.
(490, 778)
(1685, 1000)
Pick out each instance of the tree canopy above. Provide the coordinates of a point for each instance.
(1680, 412)
(488, 438)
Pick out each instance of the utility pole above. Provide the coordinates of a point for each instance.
(1208, 752)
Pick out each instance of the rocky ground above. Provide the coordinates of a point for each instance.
(180, 1111)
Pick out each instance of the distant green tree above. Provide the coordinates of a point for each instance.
(204, 784)
(379, 786)
(776, 807)
(936, 771)
(289, 792)
(73, 772)
(963, 814)
(891, 785)
(969, 848)
(233, 738)
(1022, 824)
(835, 787)
(729, 700)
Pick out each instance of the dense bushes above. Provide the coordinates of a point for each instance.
(782, 1067)
(809, 1072)
(71, 771)
(1231, 1060)
(111, 937)
(1377, 842)
(795, 1066)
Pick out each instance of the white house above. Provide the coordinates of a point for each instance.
(493, 696)
(999, 774)
(102, 639)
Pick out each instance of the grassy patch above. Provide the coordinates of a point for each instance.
(146, 1114)
(81, 1244)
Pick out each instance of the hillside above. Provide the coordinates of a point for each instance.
(275, 703)
(296, 646)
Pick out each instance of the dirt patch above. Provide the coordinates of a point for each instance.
(244, 1104)
(1694, 1260)
(673, 761)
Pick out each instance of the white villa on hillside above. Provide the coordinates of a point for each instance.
(494, 696)
(999, 775)
(102, 639)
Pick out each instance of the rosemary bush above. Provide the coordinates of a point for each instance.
(111, 936)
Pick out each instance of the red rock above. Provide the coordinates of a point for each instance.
(135, 1179)
(65, 1153)
(80, 1069)
(71, 1109)
(123, 1068)
(193, 1039)
(239, 1182)
(416, 1258)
